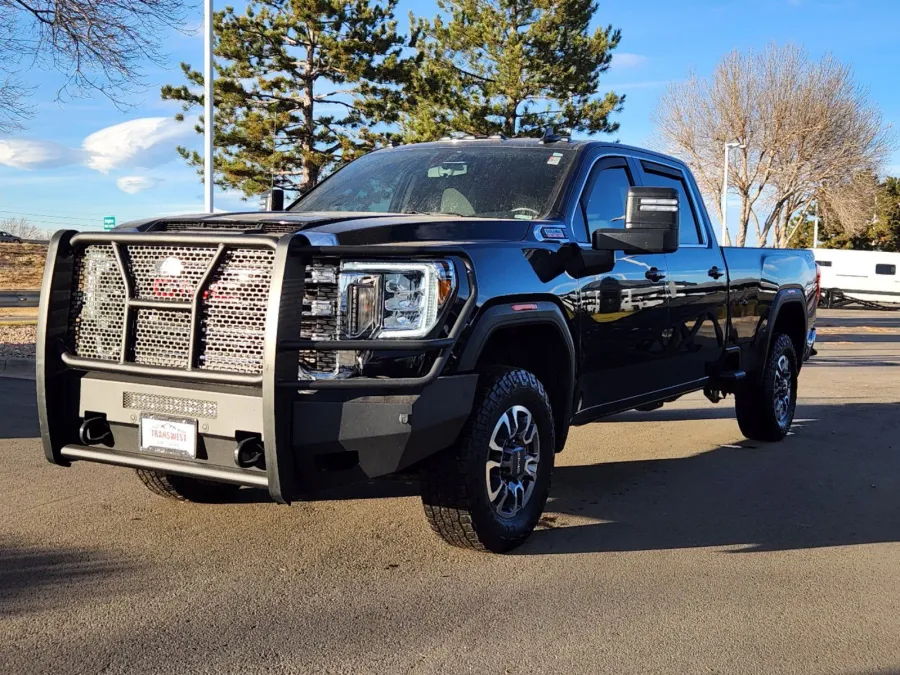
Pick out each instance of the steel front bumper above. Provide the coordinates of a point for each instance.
(334, 438)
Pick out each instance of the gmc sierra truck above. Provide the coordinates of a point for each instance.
(446, 310)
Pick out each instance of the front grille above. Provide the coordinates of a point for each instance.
(233, 305)
(319, 320)
(170, 405)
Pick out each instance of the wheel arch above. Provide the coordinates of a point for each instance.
(522, 334)
(787, 314)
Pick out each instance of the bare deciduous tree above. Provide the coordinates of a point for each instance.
(807, 128)
(98, 46)
(23, 228)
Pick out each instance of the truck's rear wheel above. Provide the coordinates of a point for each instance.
(488, 491)
(765, 407)
(187, 489)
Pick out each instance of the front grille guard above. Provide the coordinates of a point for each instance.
(59, 370)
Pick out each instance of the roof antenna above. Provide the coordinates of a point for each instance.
(549, 135)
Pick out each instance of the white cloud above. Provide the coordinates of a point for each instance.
(134, 184)
(25, 153)
(623, 60)
(144, 142)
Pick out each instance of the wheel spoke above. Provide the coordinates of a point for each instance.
(492, 493)
(502, 422)
(531, 467)
(526, 413)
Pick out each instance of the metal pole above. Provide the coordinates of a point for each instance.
(208, 177)
(725, 198)
(816, 228)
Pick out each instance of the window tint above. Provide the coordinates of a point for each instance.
(688, 233)
(886, 269)
(605, 206)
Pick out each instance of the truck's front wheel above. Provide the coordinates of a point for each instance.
(186, 489)
(488, 491)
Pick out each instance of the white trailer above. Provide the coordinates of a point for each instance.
(859, 276)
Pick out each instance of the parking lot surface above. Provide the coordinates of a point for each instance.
(670, 545)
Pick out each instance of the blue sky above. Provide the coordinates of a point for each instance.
(83, 159)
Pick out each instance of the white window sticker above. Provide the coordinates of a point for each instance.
(554, 158)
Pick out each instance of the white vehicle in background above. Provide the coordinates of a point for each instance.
(863, 277)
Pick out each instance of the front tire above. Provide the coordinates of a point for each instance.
(488, 491)
(186, 489)
(765, 407)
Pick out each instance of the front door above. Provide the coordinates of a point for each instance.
(624, 312)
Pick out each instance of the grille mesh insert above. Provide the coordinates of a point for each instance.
(170, 405)
(233, 322)
(167, 272)
(97, 308)
(161, 338)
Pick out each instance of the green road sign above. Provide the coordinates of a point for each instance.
(109, 222)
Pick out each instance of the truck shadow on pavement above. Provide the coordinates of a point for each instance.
(832, 483)
(26, 570)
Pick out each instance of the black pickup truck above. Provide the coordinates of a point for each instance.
(445, 310)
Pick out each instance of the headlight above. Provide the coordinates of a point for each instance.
(393, 300)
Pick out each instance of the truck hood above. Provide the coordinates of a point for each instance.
(349, 228)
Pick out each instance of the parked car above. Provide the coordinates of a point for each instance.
(7, 238)
(859, 276)
(445, 310)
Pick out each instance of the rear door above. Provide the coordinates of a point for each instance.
(697, 284)
(623, 313)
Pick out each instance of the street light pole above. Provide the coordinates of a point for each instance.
(208, 178)
(728, 146)
(816, 227)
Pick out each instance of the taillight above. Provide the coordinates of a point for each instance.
(818, 283)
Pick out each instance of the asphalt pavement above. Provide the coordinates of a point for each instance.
(670, 545)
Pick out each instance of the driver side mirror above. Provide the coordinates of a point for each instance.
(651, 223)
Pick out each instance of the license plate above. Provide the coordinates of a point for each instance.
(169, 435)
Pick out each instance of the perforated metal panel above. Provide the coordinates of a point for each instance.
(161, 338)
(97, 307)
(170, 405)
(233, 324)
(167, 272)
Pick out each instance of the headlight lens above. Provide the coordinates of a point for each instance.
(393, 300)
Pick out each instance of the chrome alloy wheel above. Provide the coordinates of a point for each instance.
(511, 469)
(783, 390)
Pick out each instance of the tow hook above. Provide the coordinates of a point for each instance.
(95, 431)
(250, 453)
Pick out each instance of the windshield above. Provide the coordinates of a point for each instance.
(481, 182)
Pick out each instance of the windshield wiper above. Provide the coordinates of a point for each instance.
(438, 213)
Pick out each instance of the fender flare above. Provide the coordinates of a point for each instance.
(787, 295)
(500, 316)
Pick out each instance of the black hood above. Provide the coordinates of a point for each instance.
(348, 228)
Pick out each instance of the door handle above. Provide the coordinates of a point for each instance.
(654, 275)
(715, 272)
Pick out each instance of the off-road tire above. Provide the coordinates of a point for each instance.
(187, 489)
(454, 494)
(754, 402)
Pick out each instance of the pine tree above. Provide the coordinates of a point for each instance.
(511, 67)
(301, 86)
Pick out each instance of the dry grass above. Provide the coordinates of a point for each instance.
(21, 266)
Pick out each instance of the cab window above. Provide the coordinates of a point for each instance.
(604, 203)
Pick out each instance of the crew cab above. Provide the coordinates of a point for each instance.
(446, 310)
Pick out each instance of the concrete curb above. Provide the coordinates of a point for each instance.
(17, 367)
